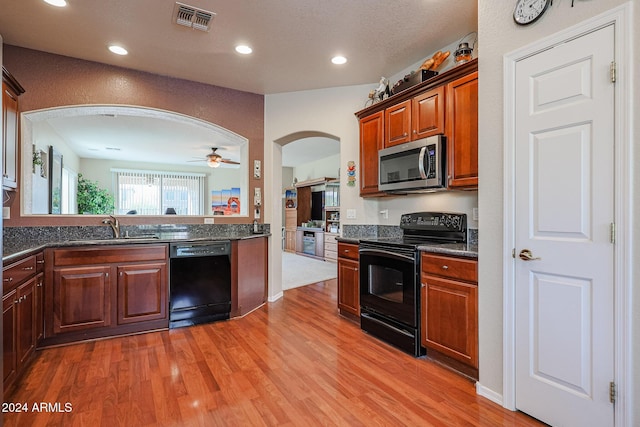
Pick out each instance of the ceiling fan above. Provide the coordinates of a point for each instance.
(214, 159)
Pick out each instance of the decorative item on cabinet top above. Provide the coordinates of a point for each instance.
(464, 53)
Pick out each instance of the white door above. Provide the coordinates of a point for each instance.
(564, 123)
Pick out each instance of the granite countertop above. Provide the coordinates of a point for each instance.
(18, 250)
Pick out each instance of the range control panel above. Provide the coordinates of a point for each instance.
(437, 221)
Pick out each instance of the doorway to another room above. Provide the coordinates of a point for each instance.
(310, 210)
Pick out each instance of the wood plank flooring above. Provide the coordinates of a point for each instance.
(294, 362)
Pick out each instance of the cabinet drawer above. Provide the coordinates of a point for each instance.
(15, 273)
(330, 238)
(347, 250)
(109, 254)
(330, 246)
(446, 266)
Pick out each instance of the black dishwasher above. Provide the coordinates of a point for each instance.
(200, 282)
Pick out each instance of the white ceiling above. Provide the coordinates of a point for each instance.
(292, 41)
(308, 150)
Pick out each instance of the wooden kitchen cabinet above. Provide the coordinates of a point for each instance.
(371, 140)
(462, 131)
(449, 311)
(100, 291)
(419, 117)
(20, 309)
(290, 227)
(11, 90)
(348, 280)
(249, 274)
(397, 124)
(142, 292)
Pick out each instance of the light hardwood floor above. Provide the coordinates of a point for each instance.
(294, 362)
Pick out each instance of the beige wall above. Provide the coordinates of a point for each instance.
(499, 35)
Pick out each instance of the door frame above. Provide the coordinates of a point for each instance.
(621, 17)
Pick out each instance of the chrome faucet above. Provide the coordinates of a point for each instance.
(115, 225)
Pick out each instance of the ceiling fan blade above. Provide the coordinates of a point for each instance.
(230, 162)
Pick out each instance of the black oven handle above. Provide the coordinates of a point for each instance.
(387, 254)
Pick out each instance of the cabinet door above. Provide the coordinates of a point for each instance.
(81, 298)
(462, 131)
(290, 241)
(26, 320)
(9, 137)
(371, 140)
(348, 286)
(9, 346)
(142, 292)
(450, 318)
(397, 124)
(427, 111)
(39, 307)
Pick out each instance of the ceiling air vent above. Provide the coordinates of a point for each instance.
(192, 17)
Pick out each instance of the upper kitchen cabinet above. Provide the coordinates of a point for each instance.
(462, 131)
(419, 117)
(371, 140)
(446, 104)
(11, 90)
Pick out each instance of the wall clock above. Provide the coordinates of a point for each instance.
(529, 11)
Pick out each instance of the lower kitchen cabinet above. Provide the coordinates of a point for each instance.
(249, 269)
(449, 317)
(348, 279)
(21, 312)
(100, 291)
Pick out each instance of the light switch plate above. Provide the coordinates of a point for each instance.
(351, 214)
(208, 220)
(6, 212)
(475, 214)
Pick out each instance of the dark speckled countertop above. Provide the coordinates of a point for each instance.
(354, 234)
(18, 245)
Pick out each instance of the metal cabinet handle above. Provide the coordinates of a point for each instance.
(40, 261)
(445, 267)
(527, 255)
(27, 268)
(8, 279)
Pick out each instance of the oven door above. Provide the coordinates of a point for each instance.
(388, 284)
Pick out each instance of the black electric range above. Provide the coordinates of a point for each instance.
(390, 276)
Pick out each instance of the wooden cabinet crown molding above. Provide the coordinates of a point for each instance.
(439, 80)
(8, 78)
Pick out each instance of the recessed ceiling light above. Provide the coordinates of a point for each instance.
(118, 50)
(339, 60)
(56, 3)
(243, 49)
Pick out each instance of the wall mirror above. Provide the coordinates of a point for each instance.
(152, 162)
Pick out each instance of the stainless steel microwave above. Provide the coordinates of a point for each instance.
(417, 166)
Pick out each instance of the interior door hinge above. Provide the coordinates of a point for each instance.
(613, 232)
(612, 392)
(612, 70)
(513, 253)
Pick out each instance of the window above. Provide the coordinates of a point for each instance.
(157, 193)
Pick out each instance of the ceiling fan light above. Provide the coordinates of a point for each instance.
(213, 163)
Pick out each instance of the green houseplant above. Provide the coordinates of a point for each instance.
(92, 199)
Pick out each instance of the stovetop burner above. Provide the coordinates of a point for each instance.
(423, 228)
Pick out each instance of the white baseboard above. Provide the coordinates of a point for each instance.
(276, 297)
(489, 394)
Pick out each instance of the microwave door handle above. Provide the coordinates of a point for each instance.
(423, 175)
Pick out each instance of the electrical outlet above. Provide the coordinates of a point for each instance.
(6, 212)
(475, 214)
(208, 220)
(257, 196)
(351, 214)
(256, 213)
(257, 169)
(385, 213)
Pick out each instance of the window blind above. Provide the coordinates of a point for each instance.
(158, 192)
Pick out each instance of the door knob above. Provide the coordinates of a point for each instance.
(526, 255)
